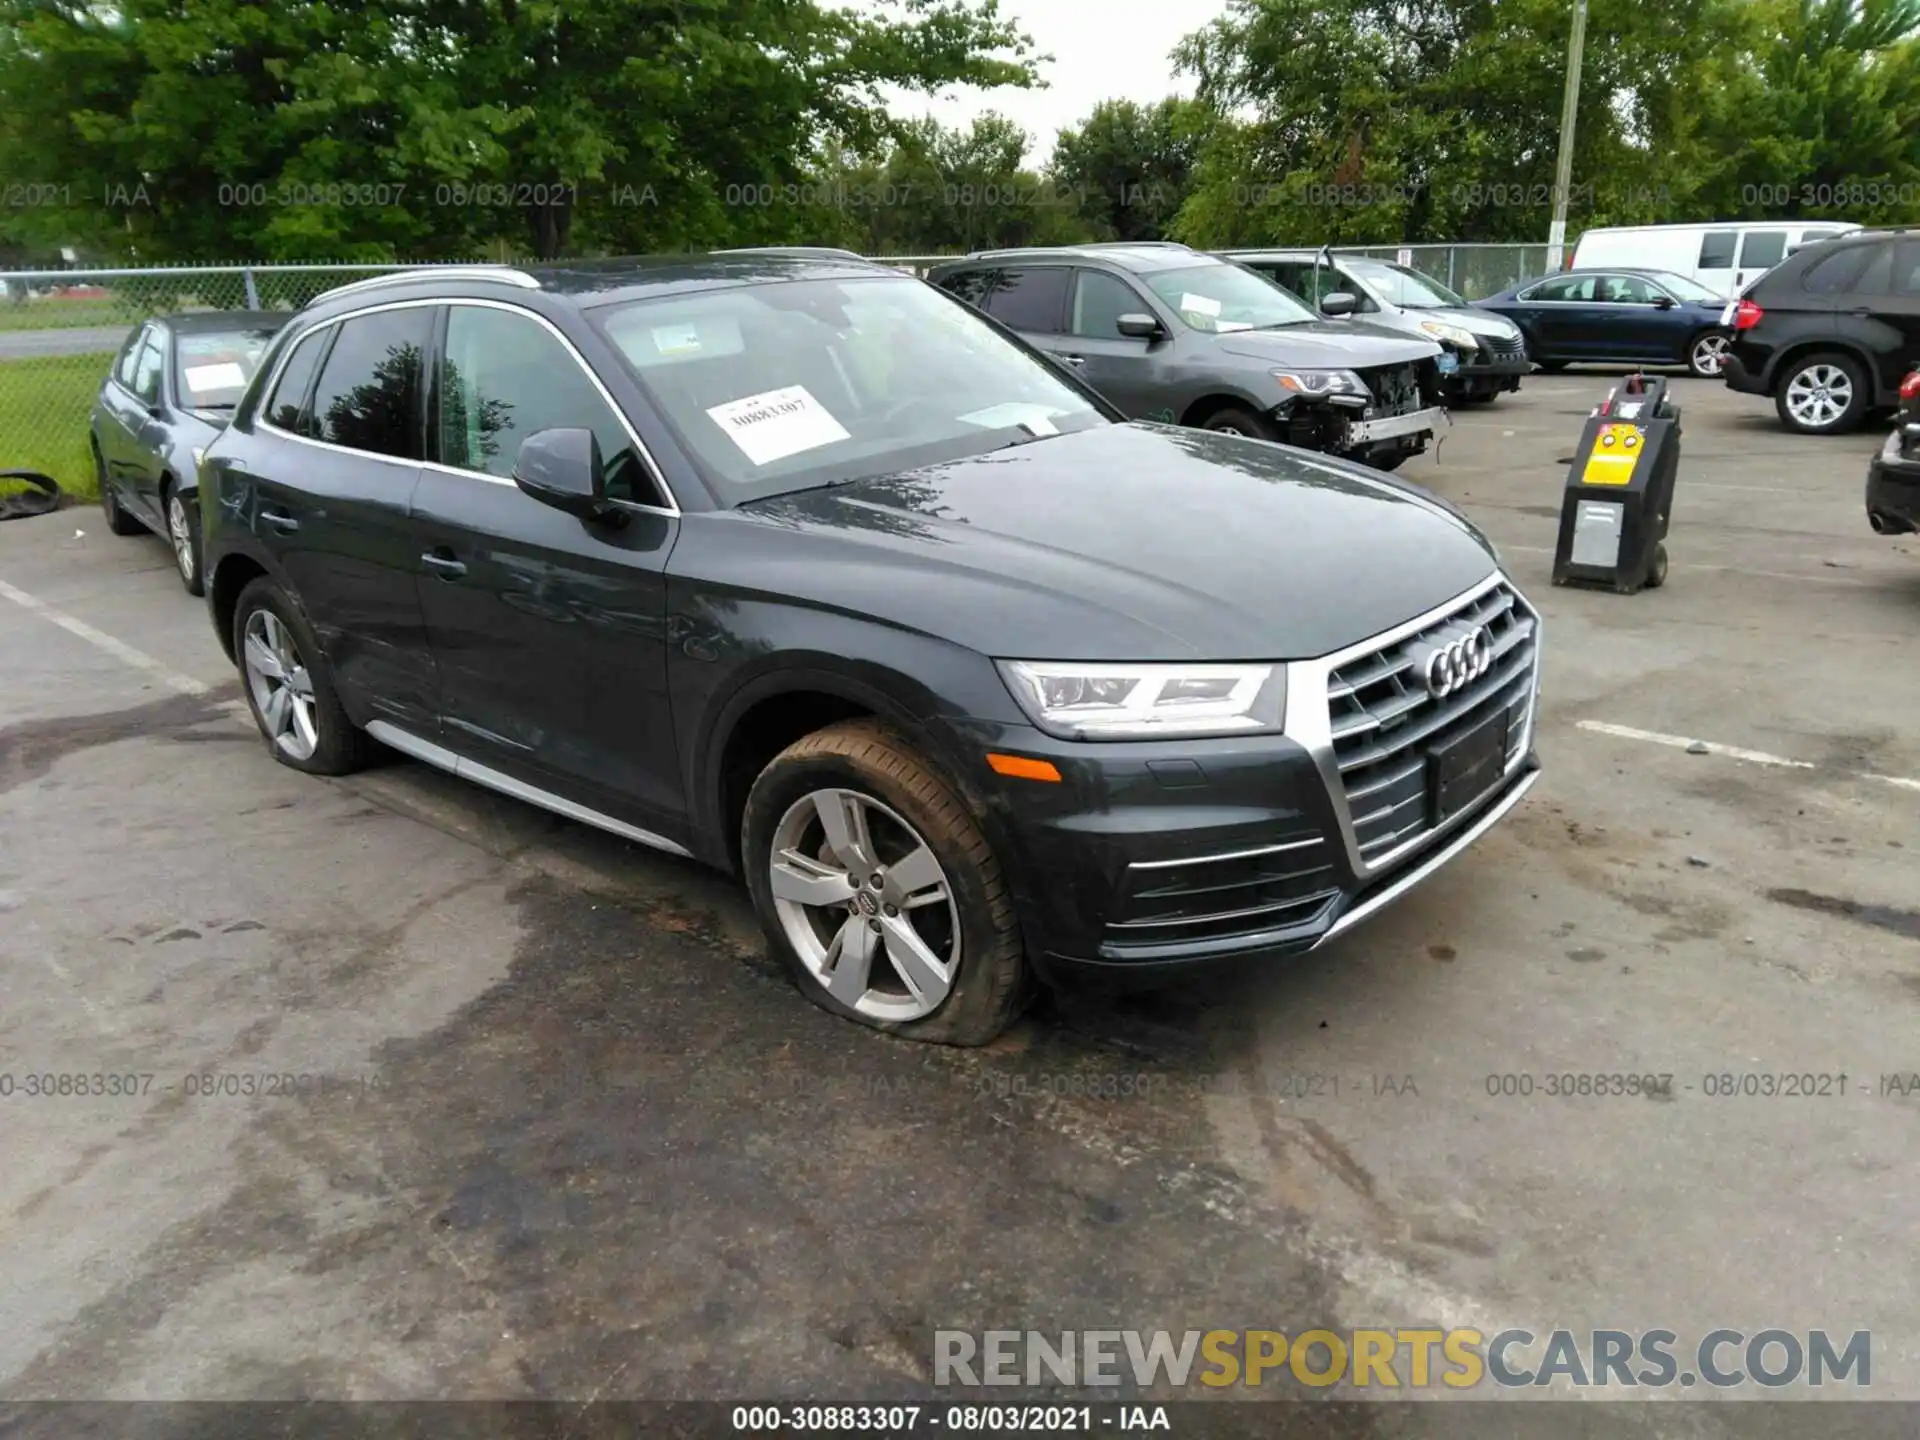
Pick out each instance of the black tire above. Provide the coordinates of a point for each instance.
(1235, 420)
(1388, 459)
(1807, 369)
(340, 747)
(186, 558)
(119, 522)
(1657, 569)
(991, 982)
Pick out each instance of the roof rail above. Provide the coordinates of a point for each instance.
(830, 251)
(1133, 245)
(505, 274)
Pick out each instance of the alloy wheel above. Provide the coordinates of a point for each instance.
(281, 687)
(865, 904)
(1710, 354)
(180, 532)
(1819, 395)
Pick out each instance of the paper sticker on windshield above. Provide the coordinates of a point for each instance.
(202, 378)
(1226, 326)
(1038, 419)
(676, 339)
(777, 423)
(1199, 304)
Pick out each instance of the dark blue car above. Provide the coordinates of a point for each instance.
(1646, 317)
(170, 392)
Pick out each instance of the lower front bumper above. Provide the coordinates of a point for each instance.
(1431, 421)
(1893, 491)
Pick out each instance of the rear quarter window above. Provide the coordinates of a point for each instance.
(969, 285)
(1835, 274)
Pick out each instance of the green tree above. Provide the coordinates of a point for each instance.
(1129, 165)
(368, 129)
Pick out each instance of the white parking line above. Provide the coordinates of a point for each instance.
(119, 649)
(1730, 752)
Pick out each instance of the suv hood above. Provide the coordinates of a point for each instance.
(1125, 542)
(1329, 345)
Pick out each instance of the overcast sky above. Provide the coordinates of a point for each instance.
(1102, 49)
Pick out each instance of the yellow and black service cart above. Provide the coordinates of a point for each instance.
(1619, 497)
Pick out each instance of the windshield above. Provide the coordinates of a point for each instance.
(789, 386)
(1215, 299)
(1682, 288)
(1397, 285)
(215, 365)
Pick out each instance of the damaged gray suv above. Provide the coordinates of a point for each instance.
(1167, 333)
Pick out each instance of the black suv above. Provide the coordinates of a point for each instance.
(1830, 331)
(797, 565)
(1167, 333)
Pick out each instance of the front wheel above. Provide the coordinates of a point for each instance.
(1707, 355)
(876, 886)
(1232, 420)
(1823, 394)
(183, 533)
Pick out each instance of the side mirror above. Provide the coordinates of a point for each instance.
(1663, 302)
(561, 467)
(1338, 303)
(1136, 326)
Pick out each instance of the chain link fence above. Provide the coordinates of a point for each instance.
(60, 329)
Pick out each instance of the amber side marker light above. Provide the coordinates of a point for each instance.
(1021, 768)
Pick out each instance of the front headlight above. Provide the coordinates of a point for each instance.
(1453, 334)
(1077, 701)
(1321, 382)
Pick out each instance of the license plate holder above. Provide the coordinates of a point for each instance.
(1461, 770)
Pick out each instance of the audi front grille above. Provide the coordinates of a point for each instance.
(1386, 724)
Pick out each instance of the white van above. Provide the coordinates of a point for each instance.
(1724, 257)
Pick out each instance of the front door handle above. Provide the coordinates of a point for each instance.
(443, 564)
(1075, 360)
(280, 520)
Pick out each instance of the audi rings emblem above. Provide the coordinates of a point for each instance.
(1458, 663)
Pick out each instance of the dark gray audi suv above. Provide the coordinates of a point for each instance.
(806, 569)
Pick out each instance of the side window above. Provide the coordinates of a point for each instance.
(969, 285)
(1564, 287)
(129, 357)
(504, 377)
(1763, 249)
(1835, 274)
(1293, 277)
(285, 407)
(1716, 249)
(1876, 276)
(146, 369)
(1327, 280)
(1029, 300)
(1906, 269)
(1625, 290)
(1099, 301)
(368, 397)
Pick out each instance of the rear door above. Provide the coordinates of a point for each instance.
(1566, 317)
(1121, 367)
(549, 630)
(1031, 299)
(1898, 313)
(331, 502)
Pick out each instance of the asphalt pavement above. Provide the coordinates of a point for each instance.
(522, 1110)
(81, 340)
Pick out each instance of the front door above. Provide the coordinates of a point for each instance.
(1121, 367)
(549, 630)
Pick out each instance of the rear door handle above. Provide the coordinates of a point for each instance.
(280, 521)
(1074, 359)
(1863, 313)
(443, 564)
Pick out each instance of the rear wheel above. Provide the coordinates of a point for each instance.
(183, 533)
(1707, 355)
(1822, 394)
(119, 522)
(1233, 420)
(1657, 568)
(288, 687)
(878, 890)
